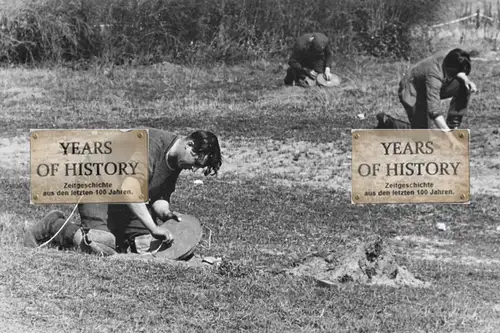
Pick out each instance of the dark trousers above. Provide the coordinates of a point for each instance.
(106, 218)
(417, 114)
(460, 97)
(94, 216)
(297, 77)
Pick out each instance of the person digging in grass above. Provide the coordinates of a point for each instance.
(441, 76)
(311, 62)
(109, 229)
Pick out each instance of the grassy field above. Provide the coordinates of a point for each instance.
(283, 194)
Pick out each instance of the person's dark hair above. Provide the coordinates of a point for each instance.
(318, 43)
(206, 143)
(459, 59)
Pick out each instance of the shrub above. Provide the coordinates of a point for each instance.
(48, 30)
(230, 31)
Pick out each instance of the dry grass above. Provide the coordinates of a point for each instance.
(282, 195)
(151, 31)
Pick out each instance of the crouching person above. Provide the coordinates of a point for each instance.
(311, 62)
(107, 229)
(438, 77)
(91, 236)
(441, 76)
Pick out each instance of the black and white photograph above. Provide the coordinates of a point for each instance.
(218, 166)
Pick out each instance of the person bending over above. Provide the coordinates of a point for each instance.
(111, 228)
(311, 56)
(441, 76)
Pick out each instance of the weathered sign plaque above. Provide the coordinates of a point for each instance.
(410, 166)
(89, 166)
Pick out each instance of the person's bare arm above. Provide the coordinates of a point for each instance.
(471, 87)
(141, 211)
(329, 63)
(441, 123)
(161, 208)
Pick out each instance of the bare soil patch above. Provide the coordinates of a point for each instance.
(438, 249)
(371, 262)
(290, 162)
(14, 153)
(463, 260)
(327, 165)
(485, 163)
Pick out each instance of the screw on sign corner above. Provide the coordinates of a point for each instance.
(35, 197)
(463, 197)
(34, 136)
(356, 136)
(356, 197)
(461, 135)
(140, 135)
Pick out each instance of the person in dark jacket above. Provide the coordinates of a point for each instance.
(311, 56)
(441, 76)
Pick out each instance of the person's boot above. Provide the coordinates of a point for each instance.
(47, 228)
(381, 120)
(290, 77)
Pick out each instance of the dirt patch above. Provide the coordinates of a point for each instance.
(288, 162)
(328, 165)
(485, 163)
(422, 248)
(424, 240)
(291, 163)
(442, 250)
(371, 262)
(14, 153)
(446, 257)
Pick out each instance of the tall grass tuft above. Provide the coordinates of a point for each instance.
(201, 31)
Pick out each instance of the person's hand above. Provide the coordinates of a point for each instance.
(313, 74)
(327, 75)
(471, 87)
(162, 234)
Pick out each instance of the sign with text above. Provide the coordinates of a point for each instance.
(410, 166)
(89, 166)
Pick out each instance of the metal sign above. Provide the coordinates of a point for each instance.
(410, 166)
(89, 166)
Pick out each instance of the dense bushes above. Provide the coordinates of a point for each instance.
(199, 31)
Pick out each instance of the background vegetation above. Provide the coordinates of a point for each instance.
(194, 31)
(283, 192)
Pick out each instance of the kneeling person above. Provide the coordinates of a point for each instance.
(311, 62)
(108, 229)
(441, 76)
